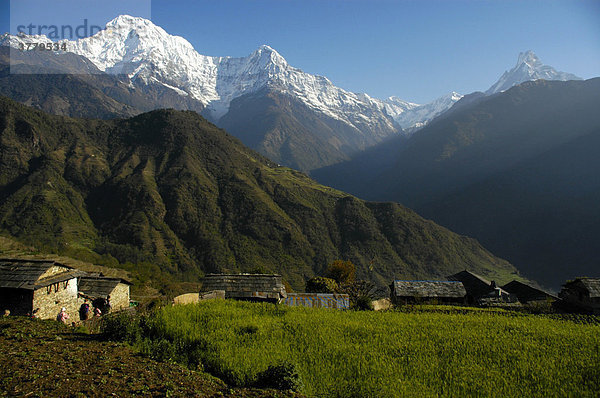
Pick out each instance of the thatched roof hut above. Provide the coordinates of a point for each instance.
(440, 291)
(256, 287)
(582, 293)
(526, 293)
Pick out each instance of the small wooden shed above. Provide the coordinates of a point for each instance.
(443, 292)
(582, 294)
(94, 287)
(44, 286)
(528, 294)
(253, 287)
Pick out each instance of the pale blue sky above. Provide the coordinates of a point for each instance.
(416, 50)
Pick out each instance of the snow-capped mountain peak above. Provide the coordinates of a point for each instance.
(148, 55)
(267, 54)
(529, 58)
(528, 67)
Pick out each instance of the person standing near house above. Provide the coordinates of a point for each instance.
(62, 315)
(84, 311)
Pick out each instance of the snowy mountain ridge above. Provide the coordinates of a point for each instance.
(147, 54)
(528, 67)
(420, 115)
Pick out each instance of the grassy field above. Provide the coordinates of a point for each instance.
(391, 354)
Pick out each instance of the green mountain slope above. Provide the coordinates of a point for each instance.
(170, 188)
(517, 170)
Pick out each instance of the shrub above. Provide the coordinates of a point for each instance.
(363, 290)
(320, 284)
(82, 329)
(159, 350)
(120, 327)
(363, 303)
(281, 377)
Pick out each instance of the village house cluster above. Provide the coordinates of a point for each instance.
(465, 287)
(462, 288)
(42, 288)
(45, 287)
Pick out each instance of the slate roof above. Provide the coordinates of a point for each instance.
(25, 274)
(454, 289)
(246, 285)
(526, 293)
(592, 285)
(94, 286)
(475, 285)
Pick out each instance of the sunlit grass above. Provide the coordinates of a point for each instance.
(366, 354)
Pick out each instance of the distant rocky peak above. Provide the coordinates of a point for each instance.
(529, 67)
(529, 58)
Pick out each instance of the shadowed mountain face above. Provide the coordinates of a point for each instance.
(517, 170)
(287, 131)
(171, 188)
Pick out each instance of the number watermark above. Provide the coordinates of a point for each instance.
(42, 35)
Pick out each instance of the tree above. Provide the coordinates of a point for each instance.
(343, 272)
(361, 294)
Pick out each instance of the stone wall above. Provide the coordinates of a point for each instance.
(188, 298)
(382, 304)
(119, 297)
(52, 298)
(212, 295)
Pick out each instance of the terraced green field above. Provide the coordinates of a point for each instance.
(438, 351)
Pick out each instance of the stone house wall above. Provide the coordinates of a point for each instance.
(52, 298)
(119, 297)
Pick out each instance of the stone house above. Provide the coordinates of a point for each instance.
(96, 286)
(42, 285)
(528, 294)
(252, 287)
(480, 290)
(443, 292)
(582, 294)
